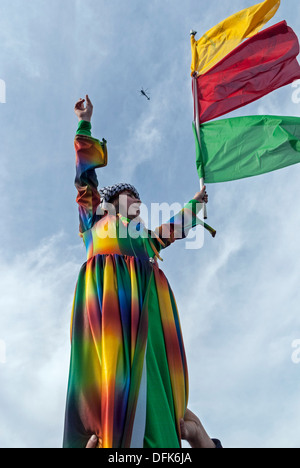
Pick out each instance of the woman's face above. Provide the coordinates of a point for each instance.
(128, 205)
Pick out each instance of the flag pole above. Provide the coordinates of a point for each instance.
(197, 126)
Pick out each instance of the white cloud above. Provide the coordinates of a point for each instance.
(36, 300)
(240, 329)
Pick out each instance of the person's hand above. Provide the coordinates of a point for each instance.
(193, 431)
(84, 113)
(92, 443)
(201, 196)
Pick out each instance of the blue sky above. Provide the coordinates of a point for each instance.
(238, 296)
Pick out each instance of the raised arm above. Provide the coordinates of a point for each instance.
(90, 154)
(179, 225)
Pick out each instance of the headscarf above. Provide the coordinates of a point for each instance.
(107, 194)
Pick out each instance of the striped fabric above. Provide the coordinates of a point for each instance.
(128, 380)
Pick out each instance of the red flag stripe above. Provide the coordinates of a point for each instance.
(260, 65)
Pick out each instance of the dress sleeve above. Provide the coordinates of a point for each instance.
(90, 154)
(179, 225)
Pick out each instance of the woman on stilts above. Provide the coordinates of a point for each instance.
(128, 380)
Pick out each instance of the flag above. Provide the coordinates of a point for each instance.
(243, 147)
(227, 35)
(262, 64)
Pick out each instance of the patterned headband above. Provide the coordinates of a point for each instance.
(108, 193)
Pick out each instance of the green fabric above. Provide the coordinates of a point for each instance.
(160, 418)
(84, 128)
(242, 147)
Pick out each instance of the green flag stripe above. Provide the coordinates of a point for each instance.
(242, 147)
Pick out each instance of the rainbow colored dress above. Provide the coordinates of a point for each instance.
(128, 380)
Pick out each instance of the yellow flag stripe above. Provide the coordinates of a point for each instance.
(219, 41)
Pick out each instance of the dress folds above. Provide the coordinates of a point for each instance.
(128, 378)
